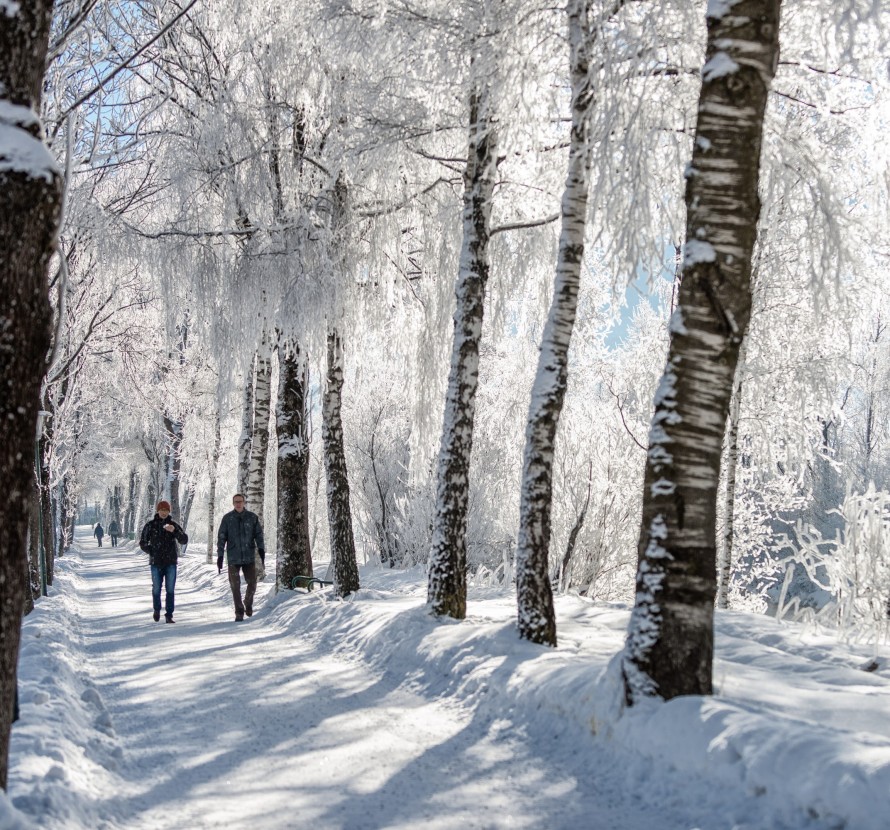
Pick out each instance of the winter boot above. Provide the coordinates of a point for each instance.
(157, 615)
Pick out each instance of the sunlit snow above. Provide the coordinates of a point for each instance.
(369, 714)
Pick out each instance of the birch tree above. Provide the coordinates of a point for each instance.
(447, 589)
(255, 489)
(246, 436)
(213, 468)
(292, 422)
(730, 465)
(30, 205)
(669, 648)
(345, 566)
(534, 595)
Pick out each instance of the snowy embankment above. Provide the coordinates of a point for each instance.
(798, 731)
(800, 722)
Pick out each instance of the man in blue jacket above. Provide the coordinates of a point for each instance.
(239, 535)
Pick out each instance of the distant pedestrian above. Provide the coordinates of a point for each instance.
(99, 532)
(158, 540)
(114, 530)
(239, 534)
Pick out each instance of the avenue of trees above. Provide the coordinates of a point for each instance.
(584, 298)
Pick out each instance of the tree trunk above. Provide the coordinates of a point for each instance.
(70, 519)
(211, 497)
(566, 564)
(61, 516)
(33, 545)
(246, 437)
(386, 542)
(670, 642)
(537, 620)
(130, 520)
(30, 202)
(151, 498)
(447, 589)
(58, 504)
(255, 491)
(173, 463)
(294, 552)
(46, 526)
(724, 571)
(187, 507)
(343, 559)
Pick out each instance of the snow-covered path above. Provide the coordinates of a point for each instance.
(370, 714)
(224, 723)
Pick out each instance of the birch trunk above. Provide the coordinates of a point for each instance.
(447, 589)
(343, 559)
(565, 568)
(33, 543)
(534, 595)
(294, 552)
(173, 464)
(255, 489)
(30, 205)
(724, 571)
(187, 509)
(211, 496)
(246, 437)
(46, 525)
(670, 642)
(130, 519)
(64, 508)
(58, 520)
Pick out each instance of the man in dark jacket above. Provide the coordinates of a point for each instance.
(158, 540)
(99, 532)
(114, 530)
(240, 532)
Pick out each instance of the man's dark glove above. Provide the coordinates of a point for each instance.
(262, 556)
(219, 561)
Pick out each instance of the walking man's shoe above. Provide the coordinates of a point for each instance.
(248, 609)
(169, 618)
(239, 617)
(157, 615)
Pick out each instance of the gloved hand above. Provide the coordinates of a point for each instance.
(262, 554)
(219, 561)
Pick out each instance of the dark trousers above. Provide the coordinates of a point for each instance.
(235, 583)
(113, 540)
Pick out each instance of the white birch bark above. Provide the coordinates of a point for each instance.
(292, 419)
(211, 496)
(670, 641)
(534, 594)
(254, 491)
(724, 570)
(173, 464)
(246, 436)
(345, 566)
(132, 493)
(447, 589)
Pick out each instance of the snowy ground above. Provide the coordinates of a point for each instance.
(370, 714)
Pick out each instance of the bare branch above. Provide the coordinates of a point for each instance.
(532, 223)
(121, 66)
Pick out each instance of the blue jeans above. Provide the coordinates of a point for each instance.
(167, 573)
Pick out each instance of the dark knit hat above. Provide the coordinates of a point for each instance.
(163, 505)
